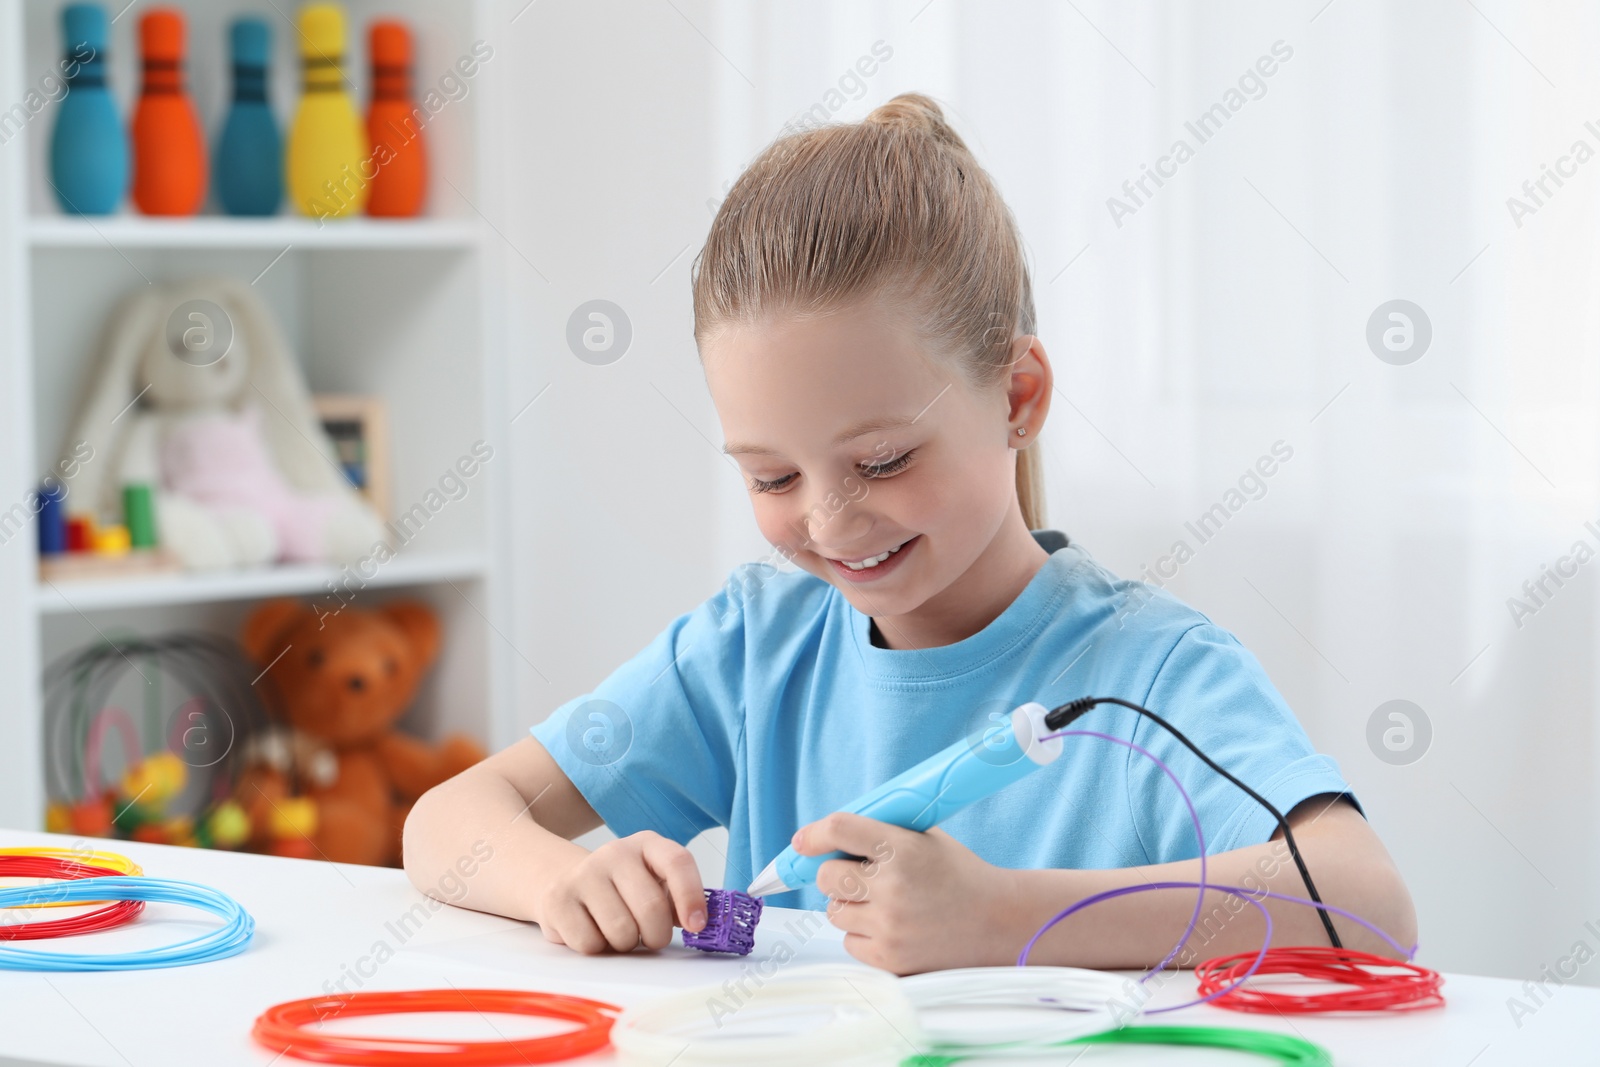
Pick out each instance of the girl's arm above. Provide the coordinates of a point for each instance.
(1347, 861)
(929, 902)
(516, 805)
(496, 838)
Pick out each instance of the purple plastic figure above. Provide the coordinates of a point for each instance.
(731, 919)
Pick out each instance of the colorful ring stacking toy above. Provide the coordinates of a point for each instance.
(282, 1028)
(62, 864)
(731, 918)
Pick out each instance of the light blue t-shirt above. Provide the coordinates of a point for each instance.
(768, 706)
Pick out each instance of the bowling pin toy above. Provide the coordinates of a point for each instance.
(394, 126)
(169, 152)
(52, 520)
(80, 533)
(249, 153)
(327, 166)
(88, 147)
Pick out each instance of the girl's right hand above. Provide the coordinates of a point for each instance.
(625, 893)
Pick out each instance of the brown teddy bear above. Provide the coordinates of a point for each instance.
(338, 683)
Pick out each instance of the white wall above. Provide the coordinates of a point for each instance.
(607, 149)
(1227, 313)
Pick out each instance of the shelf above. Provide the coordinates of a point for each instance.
(280, 232)
(295, 580)
(412, 311)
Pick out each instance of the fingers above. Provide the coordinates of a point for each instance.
(627, 892)
(587, 911)
(648, 902)
(675, 866)
(861, 948)
(854, 834)
(850, 917)
(566, 922)
(845, 880)
(612, 915)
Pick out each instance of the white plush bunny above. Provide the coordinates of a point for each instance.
(243, 473)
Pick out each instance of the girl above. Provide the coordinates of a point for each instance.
(866, 325)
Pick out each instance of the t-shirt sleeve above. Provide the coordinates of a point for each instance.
(655, 745)
(1213, 689)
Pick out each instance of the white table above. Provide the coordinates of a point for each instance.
(318, 923)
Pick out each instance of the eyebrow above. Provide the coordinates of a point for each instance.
(849, 433)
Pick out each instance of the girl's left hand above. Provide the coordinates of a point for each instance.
(918, 901)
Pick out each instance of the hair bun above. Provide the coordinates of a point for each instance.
(914, 111)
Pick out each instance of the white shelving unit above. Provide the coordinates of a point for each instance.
(407, 309)
(278, 233)
(66, 598)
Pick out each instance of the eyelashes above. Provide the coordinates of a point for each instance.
(759, 486)
(885, 470)
(870, 471)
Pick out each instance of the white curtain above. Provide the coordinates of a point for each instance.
(1221, 318)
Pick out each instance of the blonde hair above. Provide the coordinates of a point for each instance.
(892, 204)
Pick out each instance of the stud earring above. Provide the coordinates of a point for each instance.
(1022, 431)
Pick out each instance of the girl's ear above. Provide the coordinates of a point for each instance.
(1029, 386)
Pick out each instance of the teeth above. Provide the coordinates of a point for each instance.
(872, 561)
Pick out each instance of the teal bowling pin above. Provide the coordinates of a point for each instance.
(249, 154)
(89, 146)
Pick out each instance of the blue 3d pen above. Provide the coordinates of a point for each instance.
(933, 790)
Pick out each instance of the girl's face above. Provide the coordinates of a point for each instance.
(872, 463)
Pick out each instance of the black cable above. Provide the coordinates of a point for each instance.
(1059, 718)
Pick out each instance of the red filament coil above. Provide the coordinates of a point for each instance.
(116, 913)
(1377, 983)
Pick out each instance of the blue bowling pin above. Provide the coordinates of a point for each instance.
(52, 519)
(88, 147)
(249, 160)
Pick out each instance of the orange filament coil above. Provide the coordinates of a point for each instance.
(283, 1028)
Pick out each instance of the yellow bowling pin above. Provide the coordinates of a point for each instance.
(327, 165)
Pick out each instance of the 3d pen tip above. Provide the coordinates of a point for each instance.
(767, 882)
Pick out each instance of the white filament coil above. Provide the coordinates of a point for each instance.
(866, 1020)
(1062, 1003)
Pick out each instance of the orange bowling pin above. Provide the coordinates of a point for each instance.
(394, 126)
(169, 152)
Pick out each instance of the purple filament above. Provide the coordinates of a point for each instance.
(1200, 837)
(731, 918)
(1251, 896)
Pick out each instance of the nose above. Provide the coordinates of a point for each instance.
(831, 518)
(356, 683)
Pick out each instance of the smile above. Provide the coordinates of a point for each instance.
(868, 563)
